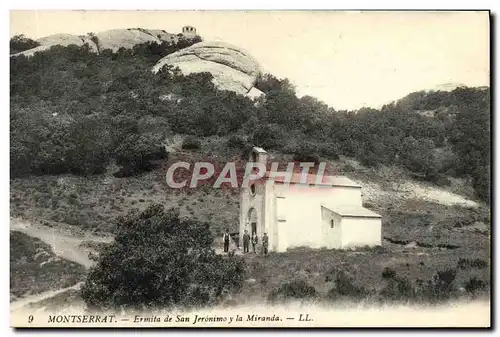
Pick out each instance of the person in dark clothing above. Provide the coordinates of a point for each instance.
(254, 241)
(226, 239)
(265, 243)
(246, 242)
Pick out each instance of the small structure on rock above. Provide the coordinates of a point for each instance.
(189, 31)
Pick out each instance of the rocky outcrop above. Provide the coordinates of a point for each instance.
(66, 40)
(254, 93)
(232, 68)
(113, 39)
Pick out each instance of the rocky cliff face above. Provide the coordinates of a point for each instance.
(232, 68)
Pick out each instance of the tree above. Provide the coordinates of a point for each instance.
(137, 151)
(19, 43)
(268, 136)
(159, 260)
(470, 138)
(418, 156)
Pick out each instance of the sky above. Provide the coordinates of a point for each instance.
(348, 60)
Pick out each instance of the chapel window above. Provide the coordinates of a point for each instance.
(252, 189)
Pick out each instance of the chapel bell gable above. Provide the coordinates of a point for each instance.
(258, 155)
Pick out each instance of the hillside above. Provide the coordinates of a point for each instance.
(92, 135)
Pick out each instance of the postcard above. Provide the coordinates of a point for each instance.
(208, 169)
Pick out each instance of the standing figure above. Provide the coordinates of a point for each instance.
(265, 243)
(226, 239)
(254, 241)
(246, 242)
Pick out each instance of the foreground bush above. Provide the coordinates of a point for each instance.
(438, 289)
(160, 261)
(468, 264)
(345, 288)
(297, 289)
(474, 286)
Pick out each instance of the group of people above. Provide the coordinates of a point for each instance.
(247, 239)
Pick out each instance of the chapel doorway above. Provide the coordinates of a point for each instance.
(252, 220)
(254, 228)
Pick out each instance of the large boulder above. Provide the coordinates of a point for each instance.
(58, 39)
(115, 39)
(66, 40)
(231, 67)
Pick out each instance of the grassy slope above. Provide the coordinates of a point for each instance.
(365, 267)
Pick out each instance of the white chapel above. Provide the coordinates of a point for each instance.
(327, 214)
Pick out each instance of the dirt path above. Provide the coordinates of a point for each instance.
(63, 244)
(21, 303)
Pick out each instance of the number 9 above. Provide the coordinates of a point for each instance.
(30, 318)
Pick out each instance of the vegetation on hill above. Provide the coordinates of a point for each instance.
(74, 111)
(19, 43)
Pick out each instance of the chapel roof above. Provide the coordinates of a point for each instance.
(259, 149)
(312, 179)
(351, 211)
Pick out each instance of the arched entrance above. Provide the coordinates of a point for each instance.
(252, 220)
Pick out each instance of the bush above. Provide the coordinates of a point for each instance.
(474, 286)
(441, 287)
(237, 142)
(388, 273)
(191, 143)
(19, 43)
(305, 152)
(397, 289)
(137, 151)
(328, 150)
(159, 261)
(297, 289)
(467, 264)
(268, 136)
(345, 287)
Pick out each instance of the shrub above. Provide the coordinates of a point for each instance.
(388, 273)
(304, 152)
(474, 285)
(191, 143)
(19, 43)
(441, 287)
(445, 278)
(397, 289)
(159, 261)
(136, 151)
(268, 136)
(328, 150)
(345, 287)
(237, 142)
(467, 264)
(297, 289)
